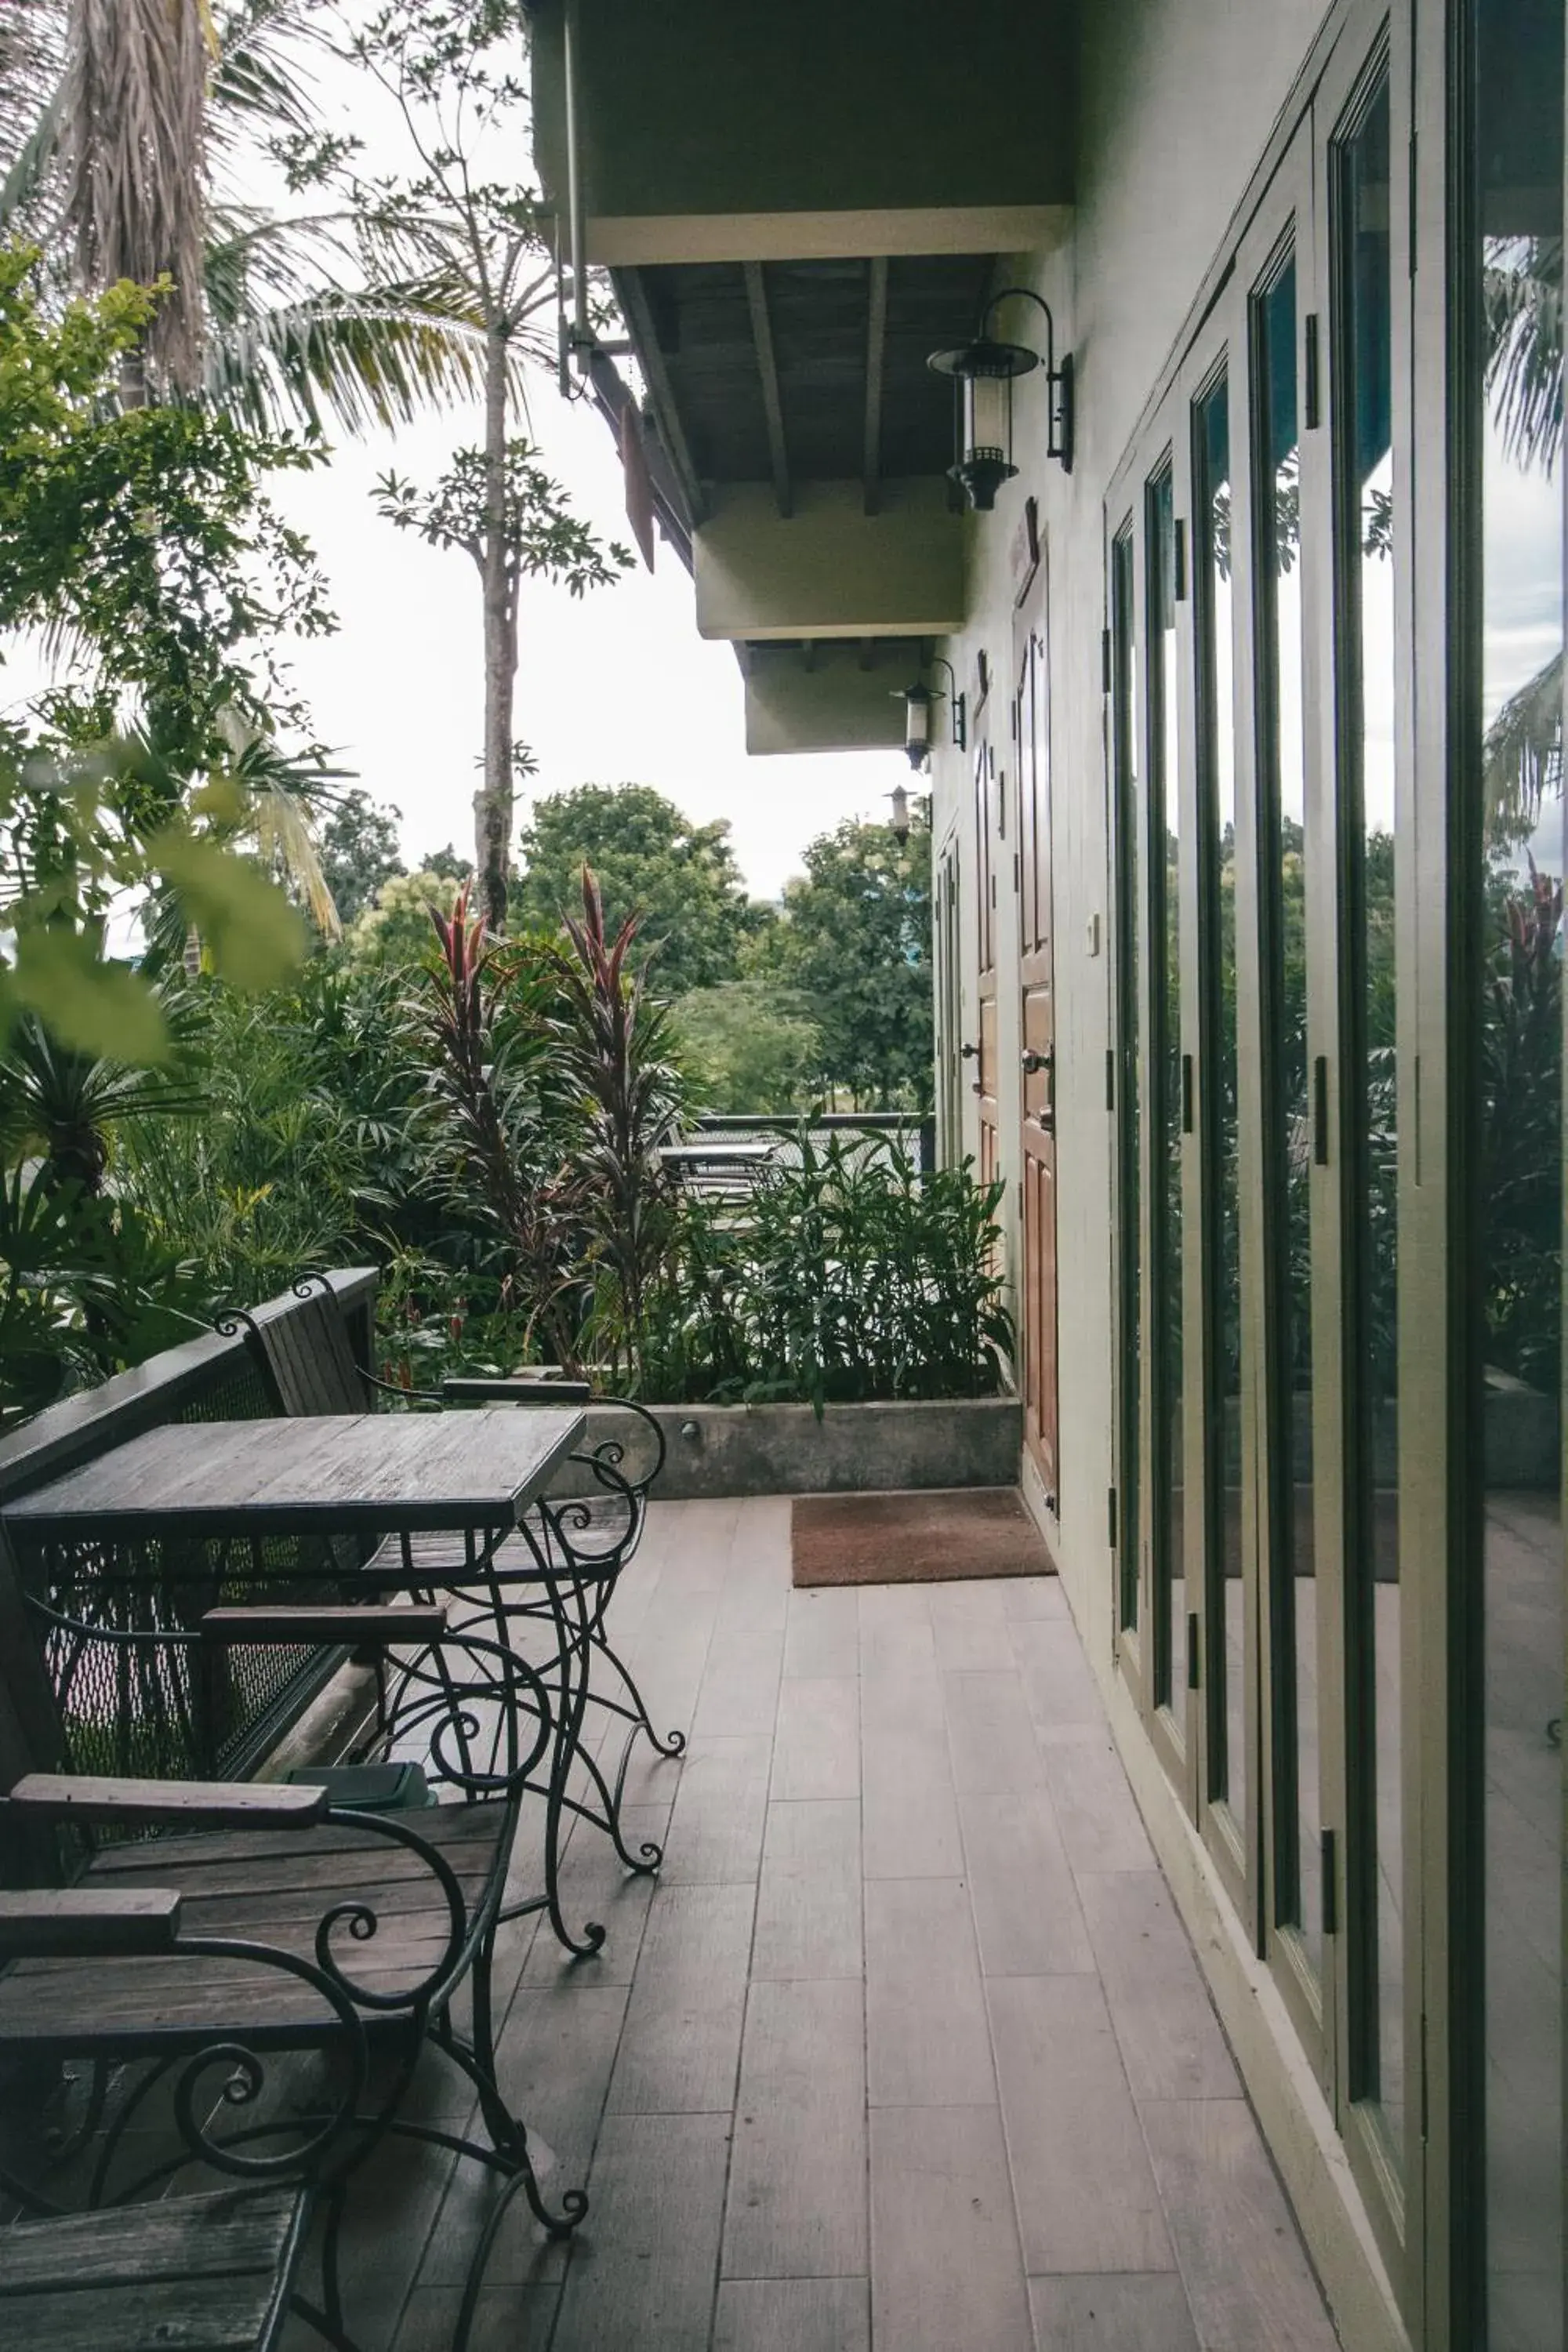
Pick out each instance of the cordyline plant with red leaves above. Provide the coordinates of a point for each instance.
(486, 1013)
(613, 1044)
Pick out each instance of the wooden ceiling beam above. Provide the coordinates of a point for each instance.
(876, 348)
(650, 358)
(767, 369)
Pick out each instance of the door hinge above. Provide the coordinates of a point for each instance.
(1310, 368)
(1186, 1094)
(1110, 1077)
(1424, 2097)
(1020, 1196)
(993, 889)
(1181, 559)
(1111, 1533)
(1331, 1884)
(1105, 661)
(1017, 873)
(1194, 1676)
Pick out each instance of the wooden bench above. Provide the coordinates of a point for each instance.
(210, 2274)
(262, 1922)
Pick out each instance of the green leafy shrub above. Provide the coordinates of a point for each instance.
(846, 1278)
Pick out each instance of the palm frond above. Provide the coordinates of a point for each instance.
(360, 360)
(28, 203)
(259, 85)
(1523, 294)
(287, 846)
(1522, 756)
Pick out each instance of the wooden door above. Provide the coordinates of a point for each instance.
(1037, 1029)
(987, 1077)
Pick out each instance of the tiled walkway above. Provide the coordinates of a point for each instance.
(907, 2049)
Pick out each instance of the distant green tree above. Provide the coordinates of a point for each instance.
(854, 943)
(359, 852)
(749, 1048)
(395, 927)
(681, 878)
(448, 864)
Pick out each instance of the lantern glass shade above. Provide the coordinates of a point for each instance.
(901, 816)
(987, 418)
(917, 725)
(984, 370)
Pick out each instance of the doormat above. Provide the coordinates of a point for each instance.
(923, 1537)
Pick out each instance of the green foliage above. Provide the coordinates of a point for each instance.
(612, 1049)
(1521, 1097)
(855, 944)
(359, 853)
(395, 930)
(86, 1285)
(847, 1277)
(310, 1136)
(140, 541)
(680, 878)
(747, 1048)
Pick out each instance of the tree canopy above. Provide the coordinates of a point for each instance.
(141, 540)
(649, 859)
(359, 852)
(854, 945)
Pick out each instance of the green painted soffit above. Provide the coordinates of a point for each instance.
(717, 106)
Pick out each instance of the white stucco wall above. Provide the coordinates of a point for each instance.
(1177, 105)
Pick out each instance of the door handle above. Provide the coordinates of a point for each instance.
(1034, 1063)
(968, 1053)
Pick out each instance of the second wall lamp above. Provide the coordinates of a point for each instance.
(918, 701)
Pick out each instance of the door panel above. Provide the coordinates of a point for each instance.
(1031, 727)
(986, 1081)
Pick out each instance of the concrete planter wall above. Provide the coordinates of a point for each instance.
(784, 1449)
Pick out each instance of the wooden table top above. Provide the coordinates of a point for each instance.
(385, 1472)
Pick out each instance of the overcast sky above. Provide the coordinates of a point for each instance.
(616, 688)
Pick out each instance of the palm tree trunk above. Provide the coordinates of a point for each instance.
(493, 801)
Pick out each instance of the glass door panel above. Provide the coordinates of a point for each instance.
(1286, 1157)
(1511, 893)
(1163, 834)
(1129, 1067)
(1225, 1645)
(1361, 193)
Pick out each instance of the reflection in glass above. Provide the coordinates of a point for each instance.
(1517, 899)
(1216, 752)
(1367, 819)
(1165, 1061)
(1131, 1079)
(1282, 852)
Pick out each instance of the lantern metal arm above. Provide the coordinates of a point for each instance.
(1059, 379)
(917, 700)
(960, 709)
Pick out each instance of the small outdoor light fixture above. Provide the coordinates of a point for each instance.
(899, 823)
(918, 701)
(983, 373)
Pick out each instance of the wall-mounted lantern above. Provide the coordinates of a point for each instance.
(900, 820)
(984, 371)
(918, 701)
